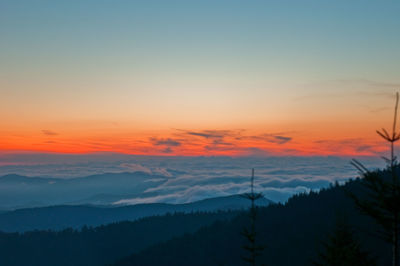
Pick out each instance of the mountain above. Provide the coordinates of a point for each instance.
(61, 217)
(292, 234)
(233, 202)
(23, 192)
(101, 245)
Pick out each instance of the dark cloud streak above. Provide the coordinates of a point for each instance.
(167, 142)
(49, 132)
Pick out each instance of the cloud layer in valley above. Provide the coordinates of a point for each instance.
(187, 179)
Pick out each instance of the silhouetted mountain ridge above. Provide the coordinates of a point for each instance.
(100, 245)
(292, 235)
(61, 217)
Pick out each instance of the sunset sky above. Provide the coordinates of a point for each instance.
(198, 77)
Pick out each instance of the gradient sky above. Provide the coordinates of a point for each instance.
(198, 77)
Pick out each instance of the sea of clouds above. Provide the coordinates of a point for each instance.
(187, 179)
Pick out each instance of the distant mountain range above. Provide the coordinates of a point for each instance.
(64, 216)
(292, 234)
(23, 192)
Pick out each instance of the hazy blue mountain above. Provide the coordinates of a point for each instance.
(83, 179)
(20, 192)
(233, 202)
(60, 217)
(292, 234)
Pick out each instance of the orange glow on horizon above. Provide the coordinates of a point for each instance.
(199, 143)
(340, 136)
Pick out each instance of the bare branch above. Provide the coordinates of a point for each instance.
(357, 164)
(386, 133)
(395, 115)
(383, 136)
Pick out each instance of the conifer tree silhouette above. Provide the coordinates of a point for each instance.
(381, 199)
(343, 249)
(250, 233)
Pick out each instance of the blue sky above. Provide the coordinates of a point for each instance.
(153, 66)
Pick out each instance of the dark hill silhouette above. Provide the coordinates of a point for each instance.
(292, 234)
(100, 245)
(61, 217)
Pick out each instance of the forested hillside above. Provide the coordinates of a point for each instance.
(292, 234)
(101, 245)
(65, 216)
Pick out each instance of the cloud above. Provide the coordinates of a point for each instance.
(218, 147)
(161, 171)
(254, 151)
(354, 145)
(195, 193)
(211, 140)
(271, 138)
(167, 150)
(49, 132)
(211, 134)
(133, 167)
(378, 110)
(350, 89)
(364, 148)
(185, 179)
(278, 179)
(282, 139)
(191, 193)
(225, 141)
(278, 139)
(167, 142)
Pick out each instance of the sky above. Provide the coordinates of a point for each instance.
(195, 78)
